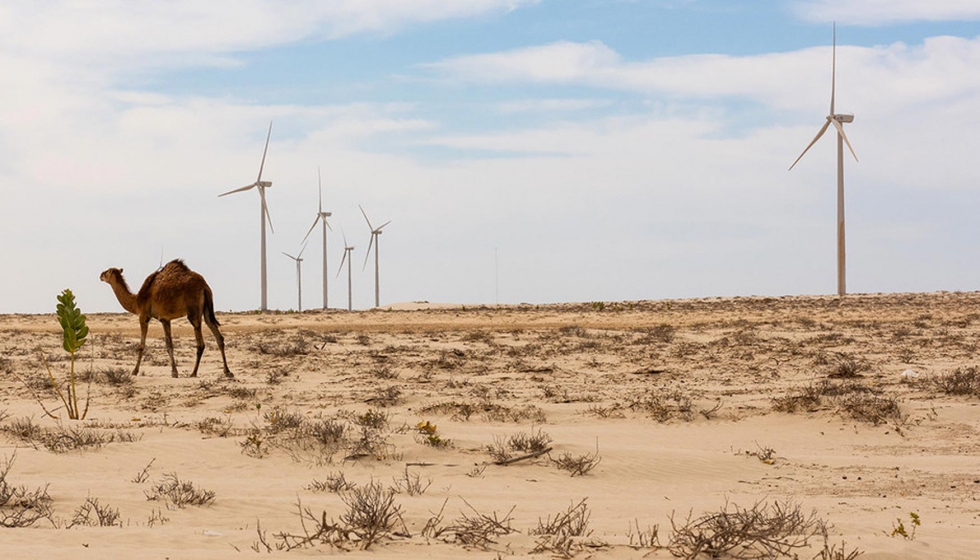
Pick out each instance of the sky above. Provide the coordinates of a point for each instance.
(525, 151)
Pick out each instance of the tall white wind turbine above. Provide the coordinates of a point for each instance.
(347, 251)
(321, 216)
(264, 211)
(838, 121)
(375, 241)
(299, 276)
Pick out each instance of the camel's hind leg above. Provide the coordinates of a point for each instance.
(170, 346)
(196, 323)
(212, 322)
(221, 346)
(144, 324)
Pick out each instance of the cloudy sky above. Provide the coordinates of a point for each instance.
(524, 150)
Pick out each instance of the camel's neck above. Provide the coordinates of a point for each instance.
(126, 299)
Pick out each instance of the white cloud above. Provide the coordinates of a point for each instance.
(883, 12)
(939, 70)
(135, 29)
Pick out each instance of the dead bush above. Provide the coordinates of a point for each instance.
(960, 382)
(180, 493)
(562, 535)
(371, 512)
(469, 529)
(876, 409)
(93, 514)
(20, 506)
(845, 366)
(334, 482)
(765, 530)
(578, 465)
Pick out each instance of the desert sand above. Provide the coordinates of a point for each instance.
(859, 412)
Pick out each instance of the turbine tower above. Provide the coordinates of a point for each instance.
(375, 241)
(347, 250)
(838, 121)
(299, 276)
(321, 215)
(264, 212)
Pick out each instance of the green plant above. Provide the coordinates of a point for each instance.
(74, 332)
(899, 528)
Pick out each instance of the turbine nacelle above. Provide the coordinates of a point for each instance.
(842, 118)
(263, 184)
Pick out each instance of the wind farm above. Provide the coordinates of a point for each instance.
(605, 324)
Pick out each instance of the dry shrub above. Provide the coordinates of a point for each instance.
(411, 483)
(333, 482)
(563, 534)
(387, 397)
(801, 399)
(845, 366)
(765, 530)
(371, 512)
(664, 406)
(296, 345)
(876, 409)
(961, 382)
(470, 530)
(20, 506)
(64, 439)
(180, 493)
(578, 465)
(643, 538)
(93, 514)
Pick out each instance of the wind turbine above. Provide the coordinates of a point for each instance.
(264, 211)
(838, 121)
(376, 241)
(347, 250)
(321, 215)
(299, 276)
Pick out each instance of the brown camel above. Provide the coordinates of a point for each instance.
(172, 292)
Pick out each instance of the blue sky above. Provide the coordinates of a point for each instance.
(525, 150)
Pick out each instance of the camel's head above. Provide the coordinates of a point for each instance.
(110, 275)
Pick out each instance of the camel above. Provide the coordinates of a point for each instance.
(171, 292)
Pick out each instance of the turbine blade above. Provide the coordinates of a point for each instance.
(265, 208)
(383, 225)
(342, 259)
(345, 236)
(311, 228)
(319, 185)
(288, 255)
(840, 130)
(833, 77)
(300, 256)
(366, 218)
(814, 141)
(328, 224)
(368, 254)
(245, 188)
(265, 151)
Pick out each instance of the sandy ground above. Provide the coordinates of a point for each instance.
(848, 411)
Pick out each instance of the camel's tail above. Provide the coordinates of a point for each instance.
(209, 308)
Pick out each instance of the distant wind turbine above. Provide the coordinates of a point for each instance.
(299, 276)
(375, 241)
(838, 121)
(347, 250)
(264, 211)
(321, 216)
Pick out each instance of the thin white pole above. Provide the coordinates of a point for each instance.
(265, 303)
(841, 259)
(325, 275)
(350, 292)
(377, 277)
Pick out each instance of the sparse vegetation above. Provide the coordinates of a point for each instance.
(765, 530)
(179, 493)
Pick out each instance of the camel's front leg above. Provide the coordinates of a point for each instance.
(170, 346)
(144, 324)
